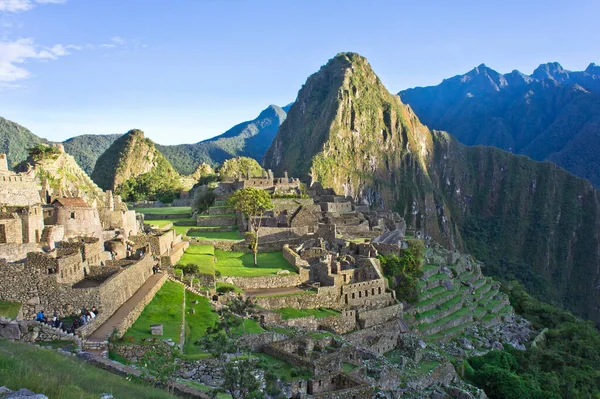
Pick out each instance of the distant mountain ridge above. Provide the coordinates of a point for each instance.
(249, 139)
(552, 114)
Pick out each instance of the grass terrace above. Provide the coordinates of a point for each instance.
(165, 308)
(196, 324)
(241, 264)
(178, 229)
(166, 210)
(61, 377)
(293, 313)
(9, 310)
(215, 235)
(283, 370)
(201, 255)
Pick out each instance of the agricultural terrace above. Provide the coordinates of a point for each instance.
(234, 264)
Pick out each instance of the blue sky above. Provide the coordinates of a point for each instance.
(187, 70)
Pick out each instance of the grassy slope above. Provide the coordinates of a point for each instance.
(59, 377)
(196, 324)
(201, 255)
(241, 264)
(292, 313)
(9, 309)
(164, 309)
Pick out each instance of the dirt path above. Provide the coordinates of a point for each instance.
(105, 329)
(273, 291)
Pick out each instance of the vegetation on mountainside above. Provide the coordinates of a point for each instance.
(248, 139)
(551, 115)
(201, 171)
(239, 167)
(531, 220)
(42, 152)
(158, 184)
(252, 203)
(15, 140)
(136, 170)
(404, 271)
(57, 376)
(87, 148)
(563, 363)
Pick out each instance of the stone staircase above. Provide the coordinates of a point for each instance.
(454, 298)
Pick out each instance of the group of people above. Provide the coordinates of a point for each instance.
(82, 319)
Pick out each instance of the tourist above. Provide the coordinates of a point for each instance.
(40, 316)
(95, 310)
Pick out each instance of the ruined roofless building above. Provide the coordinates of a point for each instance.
(77, 217)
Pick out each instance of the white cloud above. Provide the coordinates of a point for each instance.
(24, 5)
(118, 40)
(108, 45)
(13, 54)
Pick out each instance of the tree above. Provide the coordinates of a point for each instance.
(159, 365)
(253, 203)
(405, 270)
(240, 382)
(239, 167)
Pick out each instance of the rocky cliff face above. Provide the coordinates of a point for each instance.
(553, 114)
(128, 157)
(526, 220)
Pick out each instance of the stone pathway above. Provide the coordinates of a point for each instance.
(273, 291)
(117, 318)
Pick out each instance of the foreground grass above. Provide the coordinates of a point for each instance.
(293, 313)
(164, 309)
(59, 377)
(9, 310)
(201, 255)
(166, 210)
(204, 388)
(240, 264)
(196, 324)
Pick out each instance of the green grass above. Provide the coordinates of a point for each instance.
(226, 285)
(347, 367)
(196, 324)
(201, 255)
(444, 306)
(9, 310)
(250, 326)
(204, 388)
(60, 377)
(240, 264)
(166, 210)
(293, 313)
(305, 292)
(164, 309)
(65, 345)
(216, 235)
(283, 370)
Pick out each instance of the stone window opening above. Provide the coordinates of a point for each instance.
(372, 291)
(72, 215)
(379, 290)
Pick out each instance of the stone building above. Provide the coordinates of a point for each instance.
(77, 217)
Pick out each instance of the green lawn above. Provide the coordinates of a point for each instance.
(196, 324)
(216, 235)
(292, 313)
(201, 255)
(250, 326)
(61, 377)
(204, 388)
(240, 264)
(166, 210)
(283, 370)
(164, 309)
(9, 310)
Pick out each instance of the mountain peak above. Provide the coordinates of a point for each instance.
(593, 69)
(550, 70)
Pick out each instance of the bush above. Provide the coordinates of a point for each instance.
(190, 268)
(204, 199)
(223, 289)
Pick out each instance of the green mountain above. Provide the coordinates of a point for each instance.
(553, 114)
(526, 220)
(87, 148)
(129, 157)
(15, 140)
(249, 139)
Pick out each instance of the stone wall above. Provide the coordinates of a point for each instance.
(336, 207)
(370, 318)
(263, 282)
(299, 301)
(19, 189)
(216, 220)
(379, 339)
(139, 308)
(11, 229)
(78, 221)
(16, 252)
(33, 331)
